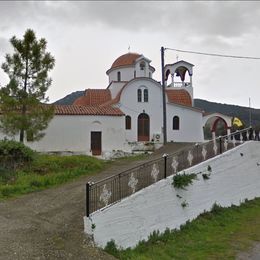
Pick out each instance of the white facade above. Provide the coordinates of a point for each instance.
(73, 134)
(190, 122)
(130, 106)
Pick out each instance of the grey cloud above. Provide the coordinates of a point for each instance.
(213, 18)
(227, 19)
(4, 45)
(214, 23)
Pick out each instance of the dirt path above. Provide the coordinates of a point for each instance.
(49, 224)
(252, 254)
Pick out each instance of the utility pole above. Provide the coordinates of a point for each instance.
(164, 101)
(250, 114)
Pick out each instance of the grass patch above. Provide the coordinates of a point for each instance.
(46, 171)
(218, 234)
(180, 181)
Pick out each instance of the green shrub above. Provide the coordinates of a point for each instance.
(182, 180)
(111, 248)
(7, 175)
(14, 154)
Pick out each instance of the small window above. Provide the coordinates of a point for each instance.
(128, 122)
(150, 75)
(142, 66)
(118, 76)
(139, 95)
(145, 95)
(176, 123)
(134, 74)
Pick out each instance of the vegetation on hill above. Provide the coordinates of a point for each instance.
(231, 110)
(69, 99)
(219, 234)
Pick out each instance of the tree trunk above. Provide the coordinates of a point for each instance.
(21, 135)
(25, 91)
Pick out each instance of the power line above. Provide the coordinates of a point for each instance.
(215, 54)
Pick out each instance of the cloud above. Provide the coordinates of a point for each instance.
(227, 19)
(214, 20)
(4, 45)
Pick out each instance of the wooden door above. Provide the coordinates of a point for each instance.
(143, 127)
(96, 146)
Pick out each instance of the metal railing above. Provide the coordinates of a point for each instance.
(112, 189)
(181, 84)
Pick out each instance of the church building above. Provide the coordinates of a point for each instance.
(128, 112)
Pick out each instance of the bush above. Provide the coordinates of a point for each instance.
(182, 180)
(7, 175)
(14, 154)
(111, 248)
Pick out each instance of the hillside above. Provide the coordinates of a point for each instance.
(69, 99)
(208, 106)
(230, 110)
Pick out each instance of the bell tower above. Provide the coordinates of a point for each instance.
(181, 76)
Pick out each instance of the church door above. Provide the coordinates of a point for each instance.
(143, 127)
(96, 143)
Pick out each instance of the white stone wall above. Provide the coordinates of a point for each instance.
(234, 178)
(73, 133)
(153, 108)
(190, 125)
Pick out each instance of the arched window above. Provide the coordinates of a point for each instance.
(145, 95)
(139, 95)
(118, 76)
(142, 66)
(176, 123)
(128, 122)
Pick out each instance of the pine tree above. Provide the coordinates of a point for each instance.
(22, 100)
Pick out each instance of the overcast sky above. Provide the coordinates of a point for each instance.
(86, 37)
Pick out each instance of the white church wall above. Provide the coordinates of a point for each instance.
(126, 74)
(73, 134)
(115, 87)
(157, 207)
(190, 125)
(130, 106)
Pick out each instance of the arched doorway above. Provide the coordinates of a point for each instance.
(216, 124)
(143, 129)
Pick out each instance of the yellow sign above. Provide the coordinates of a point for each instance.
(237, 122)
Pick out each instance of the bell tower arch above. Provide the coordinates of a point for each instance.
(179, 76)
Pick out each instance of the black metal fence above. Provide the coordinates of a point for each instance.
(112, 189)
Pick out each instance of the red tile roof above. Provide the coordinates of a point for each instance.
(87, 110)
(179, 96)
(93, 97)
(126, 59)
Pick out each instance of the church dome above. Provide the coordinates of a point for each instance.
(125, 60)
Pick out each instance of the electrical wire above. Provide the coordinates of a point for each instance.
(215, 54)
